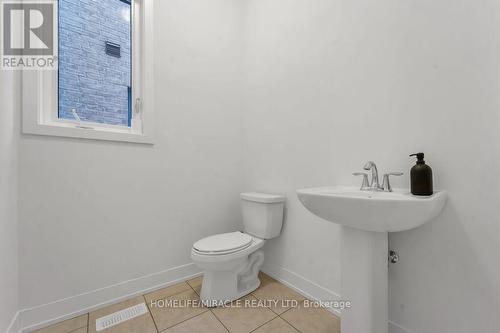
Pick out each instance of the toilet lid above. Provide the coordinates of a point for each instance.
(222, 243)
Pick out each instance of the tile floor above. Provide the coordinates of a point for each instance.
(278, 317)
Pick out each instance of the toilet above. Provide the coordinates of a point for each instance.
(231, 261)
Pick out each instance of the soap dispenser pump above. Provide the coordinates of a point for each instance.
(421, 177)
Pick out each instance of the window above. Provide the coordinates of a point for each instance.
(95, 69)
(102, 88)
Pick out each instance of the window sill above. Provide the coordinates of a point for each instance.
(73, 130)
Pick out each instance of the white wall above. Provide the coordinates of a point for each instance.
(9, 113)
(336, 83)
(448, 86)
(288, 124)
(97, 213)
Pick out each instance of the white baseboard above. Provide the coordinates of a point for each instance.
(303, 286)
(314, 291)
(396, 328)
(14, 324)
(37, 317)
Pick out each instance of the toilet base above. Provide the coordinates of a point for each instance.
(223, 286)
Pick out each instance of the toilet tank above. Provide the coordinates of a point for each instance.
(262, 214)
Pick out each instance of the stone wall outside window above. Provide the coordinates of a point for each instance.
(90, 81)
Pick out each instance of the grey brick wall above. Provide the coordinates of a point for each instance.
(92, 82)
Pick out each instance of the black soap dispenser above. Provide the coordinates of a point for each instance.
(421, 177)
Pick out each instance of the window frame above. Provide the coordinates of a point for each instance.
(40, 93)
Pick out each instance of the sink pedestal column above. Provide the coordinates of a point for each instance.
(364, 281)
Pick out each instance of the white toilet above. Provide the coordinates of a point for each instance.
(231, 261)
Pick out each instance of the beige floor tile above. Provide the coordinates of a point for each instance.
(263, 276)
(243, 319)
(277, 294)
(196, 284)
(167, 315)
(168, 291)
(204, 323)
(66, 326)
(186, 317)
(81, 330)
(312, 320)
(141, 324)
(276, 325)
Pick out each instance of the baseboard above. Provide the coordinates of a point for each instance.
(37, 317)
(396, 328)
(303, 286)
(14, 326)
(40, 316)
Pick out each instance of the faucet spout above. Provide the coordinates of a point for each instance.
(370, 165)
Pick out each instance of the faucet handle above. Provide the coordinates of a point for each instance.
(365, 184)
(386, 185)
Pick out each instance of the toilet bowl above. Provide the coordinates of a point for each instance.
(231, 261)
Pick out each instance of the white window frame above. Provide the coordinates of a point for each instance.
(40, 93)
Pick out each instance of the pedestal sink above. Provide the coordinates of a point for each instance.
(367, 218)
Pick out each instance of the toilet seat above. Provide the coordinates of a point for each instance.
(223, 243)
(229, 274)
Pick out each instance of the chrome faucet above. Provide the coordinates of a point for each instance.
(374, 185)
(370, 165)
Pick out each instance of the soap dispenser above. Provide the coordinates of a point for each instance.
(421, 177)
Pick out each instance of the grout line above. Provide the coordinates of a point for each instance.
(209, 309)
(285, 311)
(199, 314)
(220, 321)
(289, 323)
(273, 311)
(150, 313)
(267, 322)
(73, 330)
(264, 299)
(267, 308)
(79, 328)
(192, 288)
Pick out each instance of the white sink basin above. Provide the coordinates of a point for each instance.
(366, 219)
(372, 211)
